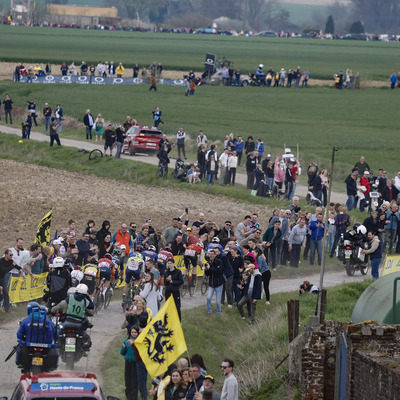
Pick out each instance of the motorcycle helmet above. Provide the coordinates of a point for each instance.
(215, 240)
(261, 66)
(152, 248)
(58, 262)
(362, 230)
(356, 225)
(81, 288)
(31, 305)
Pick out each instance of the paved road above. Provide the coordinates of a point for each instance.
(107, 327)
(301, 190)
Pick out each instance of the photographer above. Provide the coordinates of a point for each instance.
(392, 219)
(173, 281)
(213, 269)
(157, 117)
(307, 287)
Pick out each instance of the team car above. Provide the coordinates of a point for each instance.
(59, 385)
(142, 138)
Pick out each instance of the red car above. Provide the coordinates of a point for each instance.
(142, 138)
(58, 385)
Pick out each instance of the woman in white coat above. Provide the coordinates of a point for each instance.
(151, 293)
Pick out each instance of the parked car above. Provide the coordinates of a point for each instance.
(58, 385)
(266, 34)
(216, 79)
(142, 138)
(354, 36)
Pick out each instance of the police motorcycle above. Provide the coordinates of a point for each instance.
(74, 341)
(350, 249)
(258, 79)
(36, 350)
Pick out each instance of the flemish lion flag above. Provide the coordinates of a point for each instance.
(162, 341)
(43, 230)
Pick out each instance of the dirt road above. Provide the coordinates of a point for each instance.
(107, 324)
(241, 179)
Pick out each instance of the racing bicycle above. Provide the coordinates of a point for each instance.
(189, 282)
(204, 284)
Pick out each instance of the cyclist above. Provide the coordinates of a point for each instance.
(58, 282)
(193, 253)
(150, 253)
(214, 243)
(163, 257)
(75, 308)
(107, 271)
(76, 276)
(134, 269)
(91, 276)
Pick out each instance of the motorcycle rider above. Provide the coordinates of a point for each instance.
(58, 282)
(37, 330)
(75, 308)
(260, 74)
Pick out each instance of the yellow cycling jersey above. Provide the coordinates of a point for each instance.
(92, 270)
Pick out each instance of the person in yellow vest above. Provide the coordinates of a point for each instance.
(120, 70)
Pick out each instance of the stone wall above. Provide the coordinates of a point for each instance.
(367, 343)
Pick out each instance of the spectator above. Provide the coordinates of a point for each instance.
(351, 187)
(88, 120)
(362, 166)
(173, 281)
(181, 136)
(7, 265)
(177, 246)
(230, 389)
(8, 108)
(239, 146)
(297, 240)
(272, 237)
(375, 253)
(213, 269)
(251, 165)
(59, 114)
(109, 137)
(99, 127)
(212, 169)
(317, 229)
(120, 70)
(85, 252)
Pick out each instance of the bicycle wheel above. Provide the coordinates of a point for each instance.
(185, 286)
(204, 285)
(192, 284)
(96, 302)
(95, 154)
(107, 299)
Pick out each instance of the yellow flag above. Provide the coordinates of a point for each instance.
(162, 341)
(43, 230)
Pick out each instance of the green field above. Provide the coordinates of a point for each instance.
(317, 118)
(323, 58)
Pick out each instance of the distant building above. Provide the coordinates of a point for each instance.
(82, 15)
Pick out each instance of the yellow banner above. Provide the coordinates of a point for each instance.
(181, 265)
(392, 264)
(162, 341)
(27, 289)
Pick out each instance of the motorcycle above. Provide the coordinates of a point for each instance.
(350, 253)
(74, 342)
(257, 80)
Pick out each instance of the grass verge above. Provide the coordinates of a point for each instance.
(256, 349)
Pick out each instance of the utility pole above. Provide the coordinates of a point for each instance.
(322, 270)
(245, 16)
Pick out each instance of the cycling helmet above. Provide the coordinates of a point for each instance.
(362, 230)
(356, 225)
(168, 248)
(108, 256)
(215, 240)
(81, 288)
(77, 267)
(71, 290)
(117, 252)
(152, 248)
(31, 305)
(93, 261)
(200, 244)
(58, 262)
(139, 248)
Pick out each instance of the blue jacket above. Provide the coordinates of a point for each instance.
(262, 264)
(37, 328)
(392, 220)
(256, 294)
(316, 232)
(227, 269)
(239, 147)
(260, 149)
